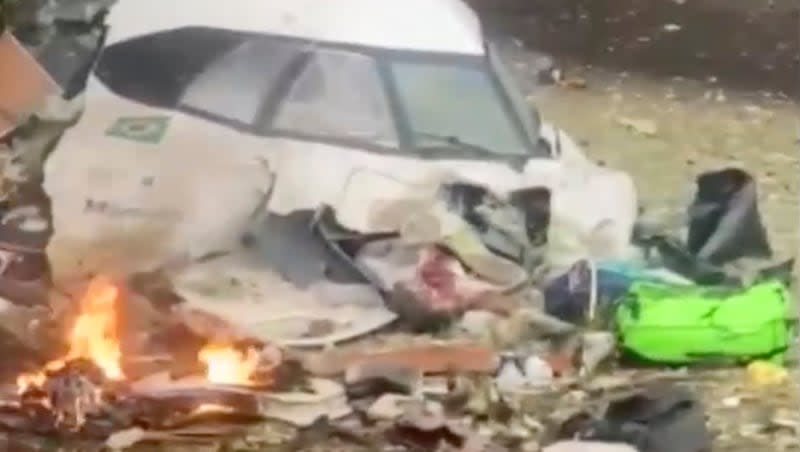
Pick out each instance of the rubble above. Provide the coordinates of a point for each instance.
(325, 399)
(86, 392)
(370, 377)
(423, 430)
(389, 407)
(764, 373)
(255, 296)
(428, 359)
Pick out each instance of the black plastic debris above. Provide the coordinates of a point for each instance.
(535, 206)
(568, 296)
(421, 431)
(659, 420)
(584, 293)
(724, 226)
(677, 257)
(363, 380)
(724, 221)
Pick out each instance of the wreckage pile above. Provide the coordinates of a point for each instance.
(97, 386)
(482, 347)
(437, 316)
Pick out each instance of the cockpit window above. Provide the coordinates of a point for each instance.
(457, 103)
(155, 69)
(236, 85)
(395, 101)
(338, 94)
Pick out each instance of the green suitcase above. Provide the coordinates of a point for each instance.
(682, 325)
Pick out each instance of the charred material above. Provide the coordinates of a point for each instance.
(75, 400)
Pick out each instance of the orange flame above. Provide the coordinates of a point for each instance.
(227, 365)
(93, 336)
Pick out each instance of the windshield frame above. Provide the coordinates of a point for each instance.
(263, 123)
(528, 115)
(384, 58)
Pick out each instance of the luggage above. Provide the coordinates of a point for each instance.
(679, 325)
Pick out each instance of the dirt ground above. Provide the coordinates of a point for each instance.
(751, 43)
(700, 126)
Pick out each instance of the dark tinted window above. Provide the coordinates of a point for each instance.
(156, 69)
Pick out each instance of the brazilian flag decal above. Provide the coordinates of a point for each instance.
(144, 129)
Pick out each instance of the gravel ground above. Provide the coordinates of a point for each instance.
(700, 126)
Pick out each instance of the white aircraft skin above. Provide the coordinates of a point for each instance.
(127, 203)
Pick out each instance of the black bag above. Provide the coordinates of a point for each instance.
(669, 420)
(724, 221)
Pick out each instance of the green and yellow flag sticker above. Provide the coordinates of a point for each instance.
(143, 129)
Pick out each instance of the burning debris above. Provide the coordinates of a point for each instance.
(87, 393)
(66, 398)
(93, 337)
(227, 365)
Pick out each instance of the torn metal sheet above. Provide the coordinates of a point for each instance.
(24, 84)
(244, 290)
(325, 399)
(147, 206)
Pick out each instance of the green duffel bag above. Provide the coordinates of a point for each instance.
(680, 325)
